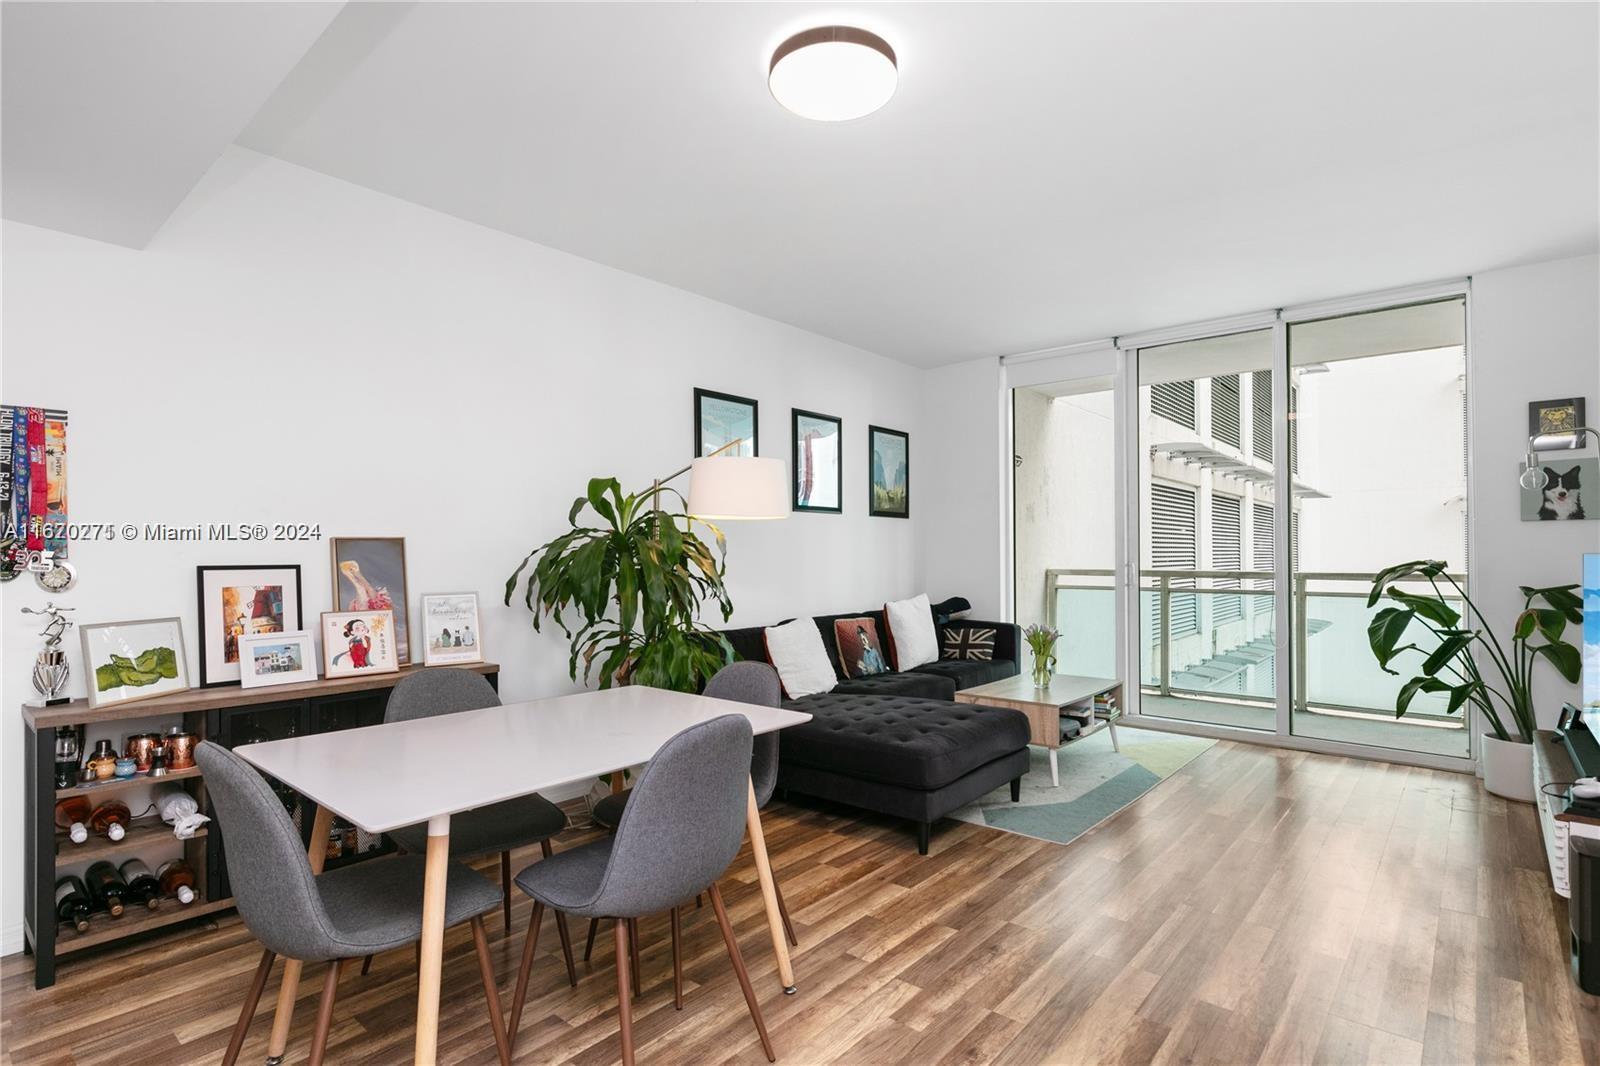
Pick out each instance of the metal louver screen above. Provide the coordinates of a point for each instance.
(1261, 552)
(1261, 414)
(1175, 545)
(1294, 429)
(1225, 417)
(1174, 400)
(1227, 553)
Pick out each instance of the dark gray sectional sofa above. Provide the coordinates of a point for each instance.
(898, 743)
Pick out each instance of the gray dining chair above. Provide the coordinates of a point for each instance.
(741, 682)
(499, 827)
(679, 832)
(332, 917)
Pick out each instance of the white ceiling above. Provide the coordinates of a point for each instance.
(1045, 173)
(112, 112)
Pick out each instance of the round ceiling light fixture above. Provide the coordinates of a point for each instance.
(833, 73)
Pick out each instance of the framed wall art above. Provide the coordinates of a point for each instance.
(125, 661)
(277, 659)
(1553, 424)
(241, 601)
(450, 632)
(359, 642)
(818, 477)
(889, 460)
(1559, 496)
(721, 419)
(369, 574)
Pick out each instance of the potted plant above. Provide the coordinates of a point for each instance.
(627, 588)
(1042, 642)
(1466, 662)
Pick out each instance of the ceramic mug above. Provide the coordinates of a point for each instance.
(104, 767)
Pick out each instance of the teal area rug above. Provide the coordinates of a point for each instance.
(1096, 782)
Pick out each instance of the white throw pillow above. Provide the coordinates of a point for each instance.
(796, 651)
(911, 631)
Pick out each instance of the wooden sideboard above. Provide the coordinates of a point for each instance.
(226, 714)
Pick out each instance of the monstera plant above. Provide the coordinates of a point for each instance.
(626, 584)
(1465, 661)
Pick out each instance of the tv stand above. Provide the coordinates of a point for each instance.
(1553, 765)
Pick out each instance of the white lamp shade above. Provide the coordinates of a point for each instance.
(736, 487)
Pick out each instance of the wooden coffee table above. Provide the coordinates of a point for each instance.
(1065, 695)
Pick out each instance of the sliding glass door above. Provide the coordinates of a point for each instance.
(1377, 413)
(1206, 588)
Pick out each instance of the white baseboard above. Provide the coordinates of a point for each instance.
(11, 939)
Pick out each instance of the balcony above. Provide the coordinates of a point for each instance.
(1207, 653)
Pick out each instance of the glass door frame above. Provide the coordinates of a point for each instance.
(1128, 517)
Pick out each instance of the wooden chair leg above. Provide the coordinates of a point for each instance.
(248, 1012)
(491, 992)
(566, 948)
(530, 944)
(633, 952)
(783, 912)
(366, 964)
(677, 964)
(588, 948)
(738, 968)
(505, 888)
(624, 1008)
(319, 1036)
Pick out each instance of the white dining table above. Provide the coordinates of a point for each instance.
(383, 777)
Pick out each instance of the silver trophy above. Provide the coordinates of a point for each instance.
(50, 670)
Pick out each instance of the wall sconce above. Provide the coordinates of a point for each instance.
(1530, 462)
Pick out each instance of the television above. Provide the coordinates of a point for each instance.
(1580, 736)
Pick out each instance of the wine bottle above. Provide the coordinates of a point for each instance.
(73, 903)
(177, 880)
(111, 818)
(71, 813)
(142, 884)
(106, 887)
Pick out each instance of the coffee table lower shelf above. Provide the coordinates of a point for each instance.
(1067, 696)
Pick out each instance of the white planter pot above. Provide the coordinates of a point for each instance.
(1508, 768)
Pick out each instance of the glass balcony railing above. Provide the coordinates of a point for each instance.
(1211, 634)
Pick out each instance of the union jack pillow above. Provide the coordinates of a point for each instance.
(975, 643)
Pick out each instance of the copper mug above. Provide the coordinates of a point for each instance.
(180, 749)
(141, 748)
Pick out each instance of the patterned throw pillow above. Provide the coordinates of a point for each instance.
(860, 649)
(973, 643)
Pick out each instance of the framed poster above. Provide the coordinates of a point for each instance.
(369, 574)
(277, 659)
(450, 632)
(126, 661)
(241, 601)
(720, 420)
(1553, 424)
(889, 461)
(1559, 495)
(818, 479)
(358, 642)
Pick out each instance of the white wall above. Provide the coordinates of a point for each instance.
(294, 348)
(956, 483)
(1535, 335)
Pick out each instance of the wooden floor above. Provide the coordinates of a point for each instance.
(1259, 906)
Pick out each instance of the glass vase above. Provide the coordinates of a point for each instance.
(1044, 667)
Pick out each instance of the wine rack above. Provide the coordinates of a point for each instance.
(227, 715)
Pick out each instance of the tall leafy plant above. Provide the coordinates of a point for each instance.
(1469, 663)
(626, 585)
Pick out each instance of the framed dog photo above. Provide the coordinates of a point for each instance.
(237, 602)
(451, 634)
(1554, 424)
(358, 642)
(369, 574)
(1559, 496)
(277, 659)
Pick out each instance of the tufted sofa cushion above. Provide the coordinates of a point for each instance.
(911, 684)
(900, 740)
